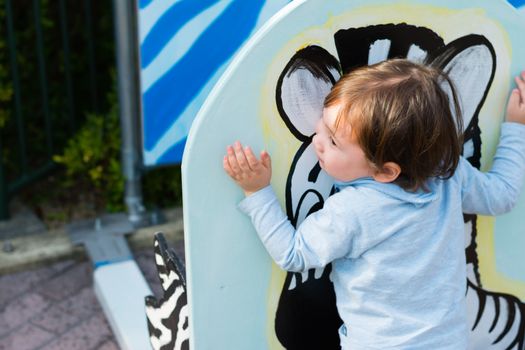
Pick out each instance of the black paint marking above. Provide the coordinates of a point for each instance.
(317, 61)
(353, 44)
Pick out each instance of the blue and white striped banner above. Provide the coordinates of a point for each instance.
(185, 46)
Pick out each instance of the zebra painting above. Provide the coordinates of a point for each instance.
(306, 315)
(168, 317)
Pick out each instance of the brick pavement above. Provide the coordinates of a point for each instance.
(54, 307)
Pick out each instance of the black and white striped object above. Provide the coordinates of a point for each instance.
(498, 322)
(168, 317)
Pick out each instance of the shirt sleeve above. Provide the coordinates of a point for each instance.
(497, 191)
(321, 238)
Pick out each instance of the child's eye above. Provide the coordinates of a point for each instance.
(333, 142)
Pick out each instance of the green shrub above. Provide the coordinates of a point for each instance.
(86, 135)
(64, 114)
(92, 161)
(92, 158)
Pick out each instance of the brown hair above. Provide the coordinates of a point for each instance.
(399, 113)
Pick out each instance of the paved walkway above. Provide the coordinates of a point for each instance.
(54, 307)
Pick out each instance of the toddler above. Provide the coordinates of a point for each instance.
(394, 229)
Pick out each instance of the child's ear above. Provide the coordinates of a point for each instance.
(388, 173)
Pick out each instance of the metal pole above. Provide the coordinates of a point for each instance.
(128, 92)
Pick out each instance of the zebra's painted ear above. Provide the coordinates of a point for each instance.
(302, 87)
(470, 62)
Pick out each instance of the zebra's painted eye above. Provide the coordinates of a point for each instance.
(468, 149)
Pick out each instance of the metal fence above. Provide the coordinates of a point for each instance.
(56, 57)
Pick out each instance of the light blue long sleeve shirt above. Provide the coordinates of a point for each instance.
(399, 269)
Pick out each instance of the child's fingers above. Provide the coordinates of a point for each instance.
(232, 161)
(241, 157)
(266, 160)
(250, 157)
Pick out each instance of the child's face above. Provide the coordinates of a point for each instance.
(339, 153)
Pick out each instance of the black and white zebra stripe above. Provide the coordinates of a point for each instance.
(168, 317)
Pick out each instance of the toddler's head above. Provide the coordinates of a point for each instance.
(399, 114)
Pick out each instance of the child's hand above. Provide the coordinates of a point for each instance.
(516, 105)
(250, 173)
